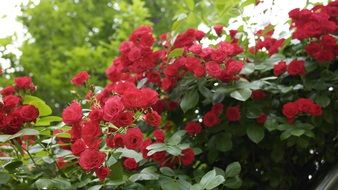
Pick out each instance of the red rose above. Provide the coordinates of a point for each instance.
(218, 55)
(24, 83)
(134, 54)
(75, 132)
(166, 84)
(233, 113)
(159, 156)
(102, 173)
(199, 35)
(279, 68)
(72, 114)
(213, 69)
(218, 29)
(316, 110)
(153, 119)
(80, 78)
(112, 108)
(29, 113)
(290, 110)
(159, 135)
(261, 118)
(135, 98)
(142, 36)
(91, 159)
(90, 130)
(296, 67)
(133, 138)
(234, 67)
(96, 114)
(124, 119)
(258, 95)
(193, 128)
(188, 156)
(199, 70)
(115, 141)
(9, 90)
(211, 119)
(304, 105)
(11, 101)
(217, 108)
(12, 123)
(78, 147)
(185, 39)
(130, 164)
(123, 86)
(323, 50)
(159, 107)
(144, 149)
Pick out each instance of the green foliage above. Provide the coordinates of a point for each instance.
(69, 36)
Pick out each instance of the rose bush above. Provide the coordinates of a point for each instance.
(179, 114)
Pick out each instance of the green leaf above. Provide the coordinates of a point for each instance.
(174, 150)
(145, 174)
(56, 183)
(297, 132)
(179, 21)
(63, 135)
(176, 138)
(23, 132)
(167, 183)
(223, 142)
(255, 133)
(233, 183)
(61, 183)
(176, 53)
(285, 135)
(95, 187)
(44, 184)
(45, 121)
(208, 177)
(190, 4)
(111, 161)
(248, 69)
(216, 181)
(4, 138)
(43, 108)
(323, 100)
(271, 124)
(4, 178)
(167, 171)
(233, 169)
(196, 186)
(118, 171)
(130, 154)
(11, 166)
(205, 91)
(189, 100)
(241, 94)
(246, 3)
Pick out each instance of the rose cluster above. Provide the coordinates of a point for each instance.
(302, 105)
(114, 113)
(316, 25)
(138, 61)
(147, 71)
(13, 113)
(294, 68)
(265, 40)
